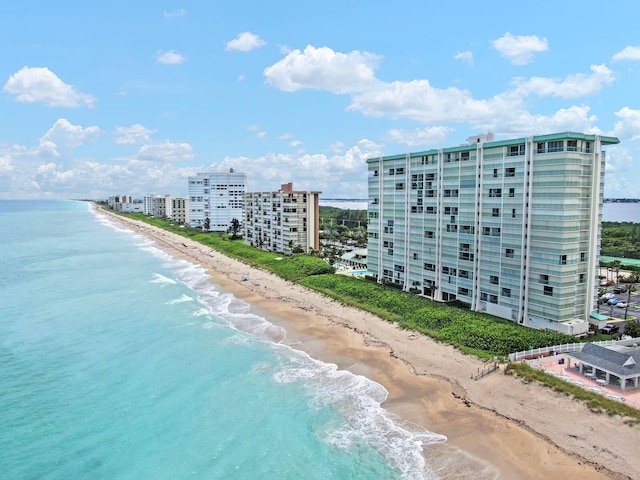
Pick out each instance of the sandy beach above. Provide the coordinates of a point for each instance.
(497, 427)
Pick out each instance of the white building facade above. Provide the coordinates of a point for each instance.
(215, 199)
(511, 228)
(285, 221)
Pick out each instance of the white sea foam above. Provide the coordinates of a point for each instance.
(183, 298)
(200, 312)
(358, 400)
(162, 280)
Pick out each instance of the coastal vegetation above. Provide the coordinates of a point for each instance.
(620, 239)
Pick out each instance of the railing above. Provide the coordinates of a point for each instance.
(485, 371)
(566, 348)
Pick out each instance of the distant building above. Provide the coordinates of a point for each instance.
(149, 204)
(284, 221)
(180, 210)
(121, 203)
(215, 199)
(511, 228)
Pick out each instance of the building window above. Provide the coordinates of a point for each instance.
(509, 253)
(390, 252)
(464, 274)
(399, 186)
(464, 156)
(582, 278)
(452, 228)
(516, 150)
(415, 256)
(542, 147)
(587, 147)
(486, 230)
(557, 146)
(495, 231)
(548, 291)
(583, 256)
(428, 234)
(572, 145)
(544, 279)
(563, 259)
(493, 299)
(392, 171)
(510, 172)
(494, 280)
(398, 268)
(512, 192)
(483, 296)
(495, 192)
(430, 267)
(495, 173)
(400, 171)
(506, 292)
(513, 213)
(495, 212)
(463, 291)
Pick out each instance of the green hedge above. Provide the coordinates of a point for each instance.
(462, 328)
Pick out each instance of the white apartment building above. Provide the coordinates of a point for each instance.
(216, 198)
(511, 228)
(284, 221)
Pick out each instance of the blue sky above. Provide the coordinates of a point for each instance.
(103, 98)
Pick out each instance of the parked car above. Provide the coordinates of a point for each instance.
(607, 296)
(621, 304)
(610, 329)
(613, 301)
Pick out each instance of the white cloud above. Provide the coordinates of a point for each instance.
(68, 136)
(178, 13)
(627, 53)
(628, 128)
(336, 147)
(133, 134)
(261, 134)
(343, 175)
(573, 86)
(6, 165)
(323, 69)
(39, 84)
(170, 58)
(166, 151)
(295, 143)
(419, 136)
(245, 42)
(520, 49)
(466, 56)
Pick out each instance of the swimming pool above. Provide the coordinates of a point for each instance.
(358, 273)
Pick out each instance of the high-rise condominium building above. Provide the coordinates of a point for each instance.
(284, 221)
(215, 199)
(511, 228)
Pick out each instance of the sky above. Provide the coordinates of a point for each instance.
(114, 98)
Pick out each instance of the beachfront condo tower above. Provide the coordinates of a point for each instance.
(285, 221)
(215, 199)
(511, 227)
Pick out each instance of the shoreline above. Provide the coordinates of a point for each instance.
(511, 429)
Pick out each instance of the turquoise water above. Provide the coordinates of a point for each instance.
(118, 361)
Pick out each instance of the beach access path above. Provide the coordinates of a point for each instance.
(520, 430)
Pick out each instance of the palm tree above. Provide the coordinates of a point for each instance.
(234, 228)
(631, 287)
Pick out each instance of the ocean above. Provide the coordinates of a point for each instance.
(120, 361)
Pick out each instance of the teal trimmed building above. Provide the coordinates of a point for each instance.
(511, 228)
